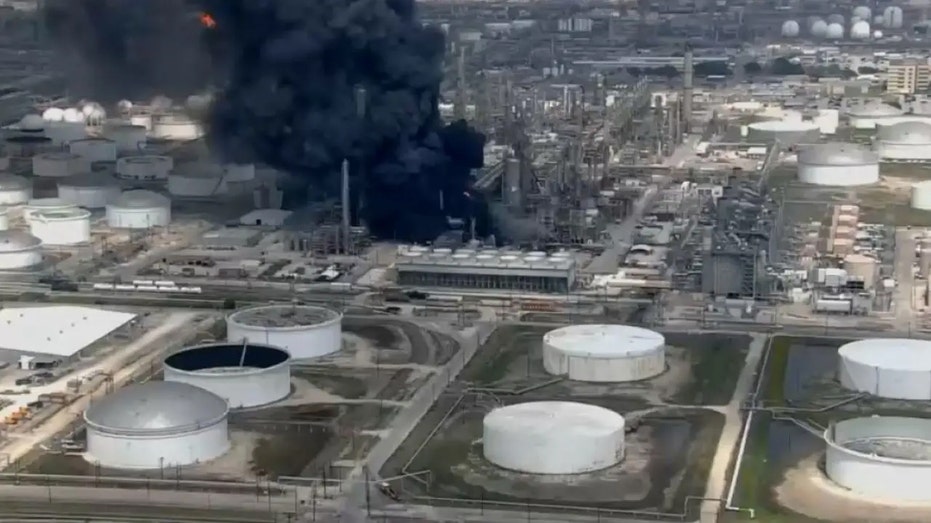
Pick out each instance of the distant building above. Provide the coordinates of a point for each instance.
(908, 77)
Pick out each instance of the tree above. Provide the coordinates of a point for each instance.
(865, 69)
(752, 68)
(783, 67)
(713, 69)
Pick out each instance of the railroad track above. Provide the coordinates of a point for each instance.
(104, 512)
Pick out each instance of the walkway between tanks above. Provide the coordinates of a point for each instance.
(715, 488)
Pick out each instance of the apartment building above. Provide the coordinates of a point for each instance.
(908, 76)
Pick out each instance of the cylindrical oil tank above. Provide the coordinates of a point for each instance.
(63, 133)
(604, 353)
(787, 133)
(94, 149)
(862, 267)
(837, 164)
(553, 437)
(175, 127)
(45, 204)
(127, 137)
(19, 250)
(61, 227)
(895, 368)
(156, 425)
(868, 115)
(59, 165)
(921, 195)
(244, 374)
(236, 172)
(904, 141)
(305, 331)
(14, 190)
(197, 181)
(880, 458)
(139, 210)
(924, 261)
(146, 168)
(91, 190)
(142, 120)
(4, 219)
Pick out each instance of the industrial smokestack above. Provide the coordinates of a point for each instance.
(361, 112)
(688, 67)
(345, 205)
(459, 104)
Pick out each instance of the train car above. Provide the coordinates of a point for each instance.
(104, 287)
(138, 283)
(165, 283)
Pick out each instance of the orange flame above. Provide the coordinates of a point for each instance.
(207, 21)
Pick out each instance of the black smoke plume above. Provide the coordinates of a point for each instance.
(286, 74)
(129, 49)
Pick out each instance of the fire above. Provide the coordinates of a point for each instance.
(207, 21)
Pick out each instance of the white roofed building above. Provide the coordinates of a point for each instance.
(56, 332)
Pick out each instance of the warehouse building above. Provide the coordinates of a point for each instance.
(487, 269)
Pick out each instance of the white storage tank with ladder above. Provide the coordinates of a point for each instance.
(61, 227)
(604, 353)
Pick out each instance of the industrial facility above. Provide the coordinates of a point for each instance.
(304, 331)
(604, 353)
(156, 425)
(244, 374)
(553, 437)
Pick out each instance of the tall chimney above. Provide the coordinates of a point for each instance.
(361, 112)
(688, 67)
(345, 207)
(459, 104)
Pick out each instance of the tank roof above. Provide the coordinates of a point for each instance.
(915, 131)
(284, 316)
(538, 418)
(242, 357)
(619, 341)
(141, 199)
(837, 154)
(11, 241)
(890, 353)
(12, 182)
(874, 109)
(156, 407)
(61, 214)
(784, 125)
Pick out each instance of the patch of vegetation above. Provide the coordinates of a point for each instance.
(715, 362)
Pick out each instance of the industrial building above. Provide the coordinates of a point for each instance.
(884, 458)
(156, 425)
(553, 437)
(305, 331)
(908, 76)
(58, 332)
(904, 141)
(19, 250)
(894, 368)
(244, 374)
(139, 210)
(604, 353)
(837, 164)
(486, 269)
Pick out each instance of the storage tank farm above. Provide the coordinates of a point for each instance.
(156, 425)
(244, 374)
(883, 457)
(305, 331)
(604, 353)
(837, 164)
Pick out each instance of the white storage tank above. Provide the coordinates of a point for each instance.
(893, 17)
(838, 164)
(4, 219)
(14, 190)
(45, 204)
(175, 127)
(142, 120)
(145, 168)
(835, 31)
(861, 267)
(61, 227)
(63, 133)
(904, 141)
(197, 181)
(59, 165)
(553, 437)
(867, 116)
(91, 190)
(921, 195)
(305, 331)
(244, 374)
(860, 31)
(884, 458)
(19, 250)
(604, 353)
(127, 137)
(788, 133)
(94, 149)
(139, 210)
(156, 425)
(790, 29)
(895, 368)
(819, 29)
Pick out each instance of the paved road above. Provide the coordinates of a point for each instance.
(904, 260)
